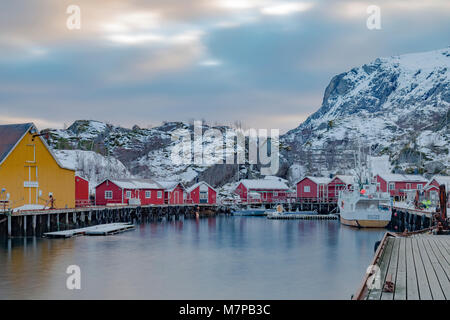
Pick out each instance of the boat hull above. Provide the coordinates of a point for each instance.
(364, 223)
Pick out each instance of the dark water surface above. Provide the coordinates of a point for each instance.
(210, 258)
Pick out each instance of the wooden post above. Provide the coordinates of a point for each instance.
(25, 226)
(48, 222)
(57, 221)
(9, 225)
(443, 201)
(33, 223)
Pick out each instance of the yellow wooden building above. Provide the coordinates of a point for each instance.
(30, 173)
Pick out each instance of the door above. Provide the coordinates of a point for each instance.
(31, 184)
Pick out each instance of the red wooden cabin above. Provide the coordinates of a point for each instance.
(432, 187)
(201, 192)
(81, 192)
(173, 192)
(398, 184)
(270, 190)
(339, 182)
(313, 189)
(129, 191)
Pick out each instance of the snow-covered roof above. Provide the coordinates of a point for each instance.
(317, 180)
(396, 177)
(345, 179)
(445, 180)
(136, 183)
(194, 186)
(169, 185)
(264, 184)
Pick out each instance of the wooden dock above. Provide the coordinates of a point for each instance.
(416, 267)
(98, 230)
(302, 216)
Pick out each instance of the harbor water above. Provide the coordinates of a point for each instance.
(221, 257)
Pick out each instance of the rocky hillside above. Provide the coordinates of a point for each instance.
(144, 152)
(397, 106)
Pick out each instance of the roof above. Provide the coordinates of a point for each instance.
(264, 184)
(135, 183)
(396, 177)
(12, 134)
(445, 180)
(194, 186)
(169, 185)
(345, 179)
(317, 180)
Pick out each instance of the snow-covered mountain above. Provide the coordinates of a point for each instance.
(397, 106)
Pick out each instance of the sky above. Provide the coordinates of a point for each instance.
(263, 63)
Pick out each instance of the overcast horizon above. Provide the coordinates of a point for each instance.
(264, 63)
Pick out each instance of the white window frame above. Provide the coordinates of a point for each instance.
(107, 193)
(128, 194)
(159, 194)
(408, 186)
(391, 186)
(419, 186)
(148, 194)
(306, 189)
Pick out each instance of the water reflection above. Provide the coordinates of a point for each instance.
(200, 258)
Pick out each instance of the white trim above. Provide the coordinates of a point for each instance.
(108, 197)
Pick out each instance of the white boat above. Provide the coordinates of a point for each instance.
(363, 208)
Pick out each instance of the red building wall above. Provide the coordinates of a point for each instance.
(81, 188)
(306, 182)
(153, 196)
(176, 196)
(194, 195)
(100, 194)
(267, 195)
(334, 187)
(398, 186)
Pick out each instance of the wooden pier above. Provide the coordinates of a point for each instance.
(98, 230)
(38, 222)
(414, 267)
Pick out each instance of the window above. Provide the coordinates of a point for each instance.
(306, 189)
(275, 194)
(408, 186)
(148, 194)
(108, 194)
(128, 194)
(159, 194)
(391, 186)
(419, 186)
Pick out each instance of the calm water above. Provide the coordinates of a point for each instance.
(209, 258)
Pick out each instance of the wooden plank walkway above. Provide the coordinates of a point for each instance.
(98, 230)
(419, 267)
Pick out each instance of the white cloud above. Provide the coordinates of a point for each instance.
(210, 63)
(286, 8)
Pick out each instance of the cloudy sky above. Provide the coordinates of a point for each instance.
(265, 63)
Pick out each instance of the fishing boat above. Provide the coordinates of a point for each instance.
(365, 207)
(360, 203)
